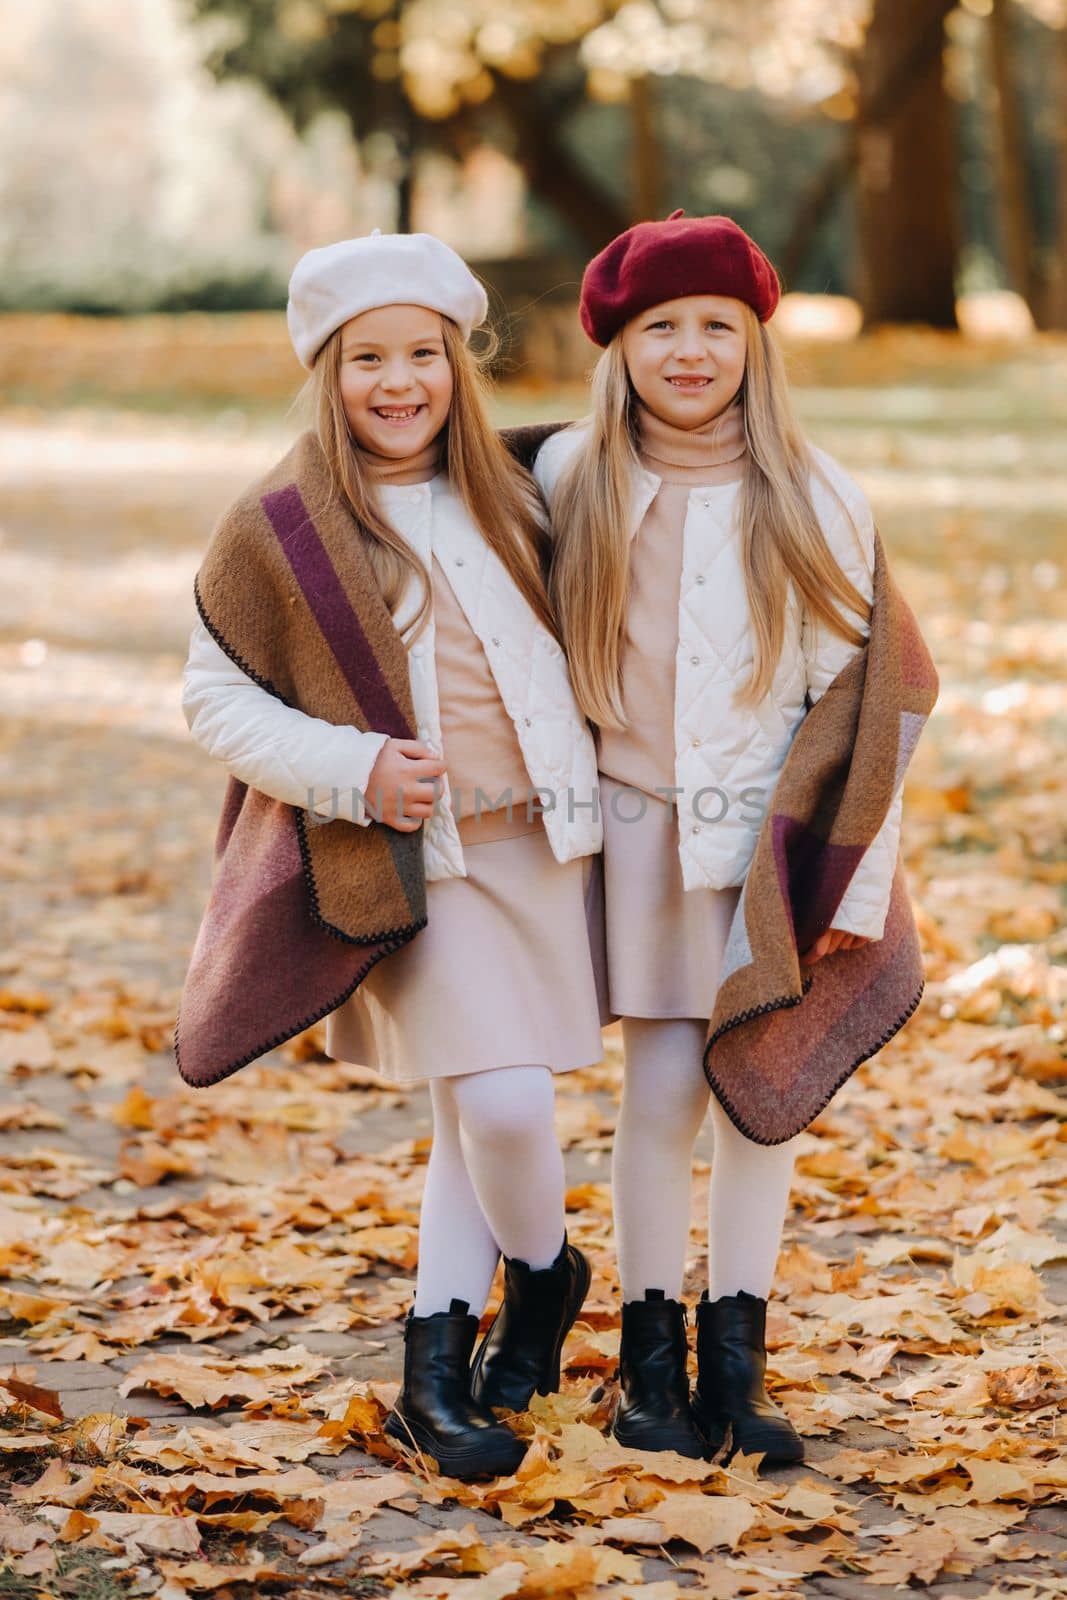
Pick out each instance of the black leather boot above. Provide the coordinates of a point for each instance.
(521, 1351)
(434, 1409)
(730, 1393)
(654, 1411)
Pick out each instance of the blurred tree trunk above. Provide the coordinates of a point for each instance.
(405, 183)
(906, 170)
(647, 151)
(397, 115)
(552, 172)
(1039, 275)
(1013, 183)
(1052, 313)
(815, 206)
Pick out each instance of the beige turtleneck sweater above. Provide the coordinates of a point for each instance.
(642, 754)
(480, 745)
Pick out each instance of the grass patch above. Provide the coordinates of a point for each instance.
(86, 1575)
(81, 1575)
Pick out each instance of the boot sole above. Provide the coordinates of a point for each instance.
(775, 1451)
(550, 1383)
(481, 1461)
(690, 1447)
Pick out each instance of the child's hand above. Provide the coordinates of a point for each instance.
(830, 941)
(403, 785)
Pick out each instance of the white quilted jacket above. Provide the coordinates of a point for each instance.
(285, 753)
(727, 758)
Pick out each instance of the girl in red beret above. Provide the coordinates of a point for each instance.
(712, 574)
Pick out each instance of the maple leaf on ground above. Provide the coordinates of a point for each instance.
(211, 1380)
(175, 1535)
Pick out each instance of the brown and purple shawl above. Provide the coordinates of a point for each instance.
(299, 912)
(784, 1038)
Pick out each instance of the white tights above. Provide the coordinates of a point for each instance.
(665, 1098)
(494, 1183)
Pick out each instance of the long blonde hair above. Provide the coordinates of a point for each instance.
(500, 495)
(780, 535)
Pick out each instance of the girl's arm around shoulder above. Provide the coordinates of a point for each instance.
(271, 746)
(848, 525)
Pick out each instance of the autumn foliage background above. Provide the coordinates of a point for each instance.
(201, 1293)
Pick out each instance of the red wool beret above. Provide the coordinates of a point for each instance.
(656, 261)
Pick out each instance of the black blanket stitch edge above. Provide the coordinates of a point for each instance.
(390, 947)
(391, 940)
(234, 655)
(777, 1005)
(313, 893)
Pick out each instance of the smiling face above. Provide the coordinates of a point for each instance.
(396, 383)
(686, 357)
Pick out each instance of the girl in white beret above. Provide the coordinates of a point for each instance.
(714, 575)
(377, 660)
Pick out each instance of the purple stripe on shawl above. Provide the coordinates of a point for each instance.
(333, 611)
(812, 875)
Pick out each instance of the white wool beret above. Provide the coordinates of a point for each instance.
(338, 281)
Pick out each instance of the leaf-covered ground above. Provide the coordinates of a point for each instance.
(201, 1293)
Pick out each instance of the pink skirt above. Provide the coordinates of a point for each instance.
(504, 974)
(664, 943)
